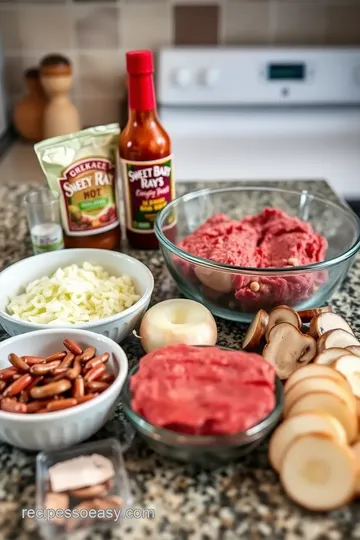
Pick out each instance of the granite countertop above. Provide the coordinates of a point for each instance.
(241, 500)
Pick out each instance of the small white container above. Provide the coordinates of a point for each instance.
(61, 429)
(14, 278)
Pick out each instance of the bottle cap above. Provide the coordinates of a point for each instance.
(139, 62)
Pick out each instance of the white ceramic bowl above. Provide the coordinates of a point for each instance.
(15, 277)
(65, 428)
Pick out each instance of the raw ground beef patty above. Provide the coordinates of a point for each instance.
(203, 391)
(271, 239)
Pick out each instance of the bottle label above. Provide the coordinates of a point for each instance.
(89, 197)
(46, 237)
(148, 188)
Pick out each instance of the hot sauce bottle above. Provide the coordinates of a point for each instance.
(145, 155)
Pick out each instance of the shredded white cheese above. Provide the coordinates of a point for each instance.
(74, 295)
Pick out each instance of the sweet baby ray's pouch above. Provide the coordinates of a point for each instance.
(81, 168)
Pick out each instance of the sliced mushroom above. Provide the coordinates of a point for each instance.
(291, 428)
(356, 449)
(328, 356)
(214, 279)
(358, 410)
(354, 349)
(331, 404)
(319, 472)
(315, 370)
(256, 330)
(319, 384)
(328, 321)
(349, 366)
(288, 349)
(282, 314)
(309, 314)
(336, 338)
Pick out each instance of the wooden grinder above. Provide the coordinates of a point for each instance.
(61, 116)
(29, 110)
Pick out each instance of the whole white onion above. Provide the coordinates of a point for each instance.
(177, 321)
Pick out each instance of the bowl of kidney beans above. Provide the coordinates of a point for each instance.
(58, 387)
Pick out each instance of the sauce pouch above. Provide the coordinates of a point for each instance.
(81, 168)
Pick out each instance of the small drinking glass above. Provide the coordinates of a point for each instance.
(43, 213)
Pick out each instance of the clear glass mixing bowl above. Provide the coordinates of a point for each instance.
(336, 222)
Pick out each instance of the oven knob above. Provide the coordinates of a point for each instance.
(182, 77)
(210, 77)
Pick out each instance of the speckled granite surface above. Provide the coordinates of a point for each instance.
(242, 500)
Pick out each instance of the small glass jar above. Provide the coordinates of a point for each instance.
(43, 213)
(119, 488)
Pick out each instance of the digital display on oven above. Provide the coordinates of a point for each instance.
(286, 72)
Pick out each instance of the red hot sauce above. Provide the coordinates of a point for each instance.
(145, 155)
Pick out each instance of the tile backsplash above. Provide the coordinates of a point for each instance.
(96, 34)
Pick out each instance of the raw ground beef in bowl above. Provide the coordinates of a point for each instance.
(238, 249)
(203, 404)
(270, 239)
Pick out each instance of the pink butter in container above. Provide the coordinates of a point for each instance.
(82, 488)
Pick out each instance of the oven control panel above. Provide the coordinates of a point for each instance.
(257, 76)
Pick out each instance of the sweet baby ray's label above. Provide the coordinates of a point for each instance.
(81, 167)
(148, 188)
(88, 188)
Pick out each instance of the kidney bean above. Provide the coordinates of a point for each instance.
(87, 397)
(36, 381)
(108, 378)
(2, 385)
(43, 369)
(97, 386)
(102, 359)
(56, 356)
(53, 378)
(75, 371)
(7, 373)
(60, 404)
(95, 373)
(66, 362)
(35, 406)
(88, 354)
(72, 346)
(33, 360)
(24, 396)
(17, 386)
(78, 387)
(41, 411)
(99, 490)
(18, 363)
(51, 389)
(11, 405)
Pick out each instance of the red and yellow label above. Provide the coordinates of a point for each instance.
(89, 197)
(148, 188)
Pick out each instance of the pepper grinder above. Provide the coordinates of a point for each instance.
(29, 111)
(61, 116)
